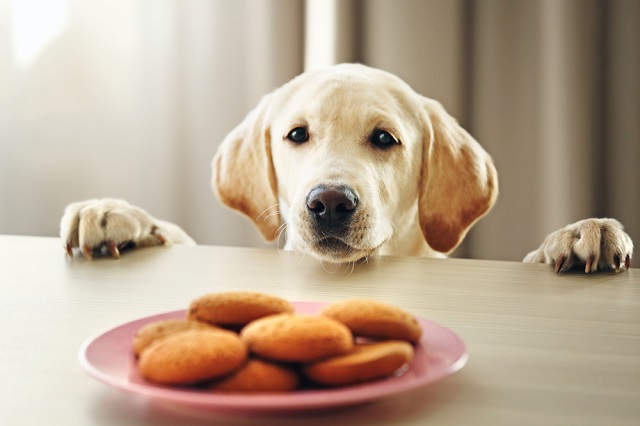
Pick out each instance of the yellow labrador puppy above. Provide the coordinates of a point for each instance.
(348, 162)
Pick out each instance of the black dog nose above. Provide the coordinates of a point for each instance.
(332, 206)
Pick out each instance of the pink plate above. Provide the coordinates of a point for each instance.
(108, 358)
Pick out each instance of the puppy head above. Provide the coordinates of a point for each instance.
(349, 158)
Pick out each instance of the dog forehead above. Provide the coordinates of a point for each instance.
(344, 85)
(342, 91)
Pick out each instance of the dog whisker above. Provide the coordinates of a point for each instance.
(266, 210)
(322, 263)
(282, 229)
(276, 213)
(353, 267)
(372, 255)
(378, 259)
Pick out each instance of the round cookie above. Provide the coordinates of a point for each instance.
(297, 338)
(192, 356)
(151, 332)
(377, 320)
(258, 376)
(236, 309)
(366, 362)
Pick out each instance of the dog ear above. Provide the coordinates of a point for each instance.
(459, 182)
(243, 176)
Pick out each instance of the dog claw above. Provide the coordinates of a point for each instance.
(589, 264)
(627, 262)
(616, 262)
(560, 264)
(86, 250)
(69, 249)
(112, 247)
(163, 240)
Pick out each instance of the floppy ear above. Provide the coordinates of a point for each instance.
(459, 182)
(243, 176)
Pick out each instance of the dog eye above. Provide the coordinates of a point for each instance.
(298, 135)
(383, 139)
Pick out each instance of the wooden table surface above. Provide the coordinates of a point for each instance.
(543, 348)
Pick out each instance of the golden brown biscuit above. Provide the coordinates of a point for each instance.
(258, 376)
(236, 309)
(160, 329)
(192, 356)
(377, 320)
(297, 338)
(366, 362)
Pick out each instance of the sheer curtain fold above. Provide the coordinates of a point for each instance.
(569, 121)
(130, 99)
(540, 59)
(231, 53)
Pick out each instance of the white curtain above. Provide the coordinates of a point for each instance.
(130, 98)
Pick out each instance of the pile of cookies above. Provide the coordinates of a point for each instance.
(255, 342)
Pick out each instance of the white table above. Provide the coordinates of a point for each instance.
(544, 348)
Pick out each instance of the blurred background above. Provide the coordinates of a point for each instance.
(130, 99)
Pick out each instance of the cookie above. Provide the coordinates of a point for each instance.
(151, 332)
(376, 320)
(236, 309)
(297, 338)
(192, 356)
(366, 362)
(258, 376)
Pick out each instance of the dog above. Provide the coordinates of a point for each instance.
(346, 163)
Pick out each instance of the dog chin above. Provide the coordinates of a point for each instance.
(335, 250)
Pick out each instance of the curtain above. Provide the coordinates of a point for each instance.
(130, 99)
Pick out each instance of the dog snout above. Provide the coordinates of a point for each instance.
(332, 206)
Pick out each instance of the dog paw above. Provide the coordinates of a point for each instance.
(595, 244)
(107, 225)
